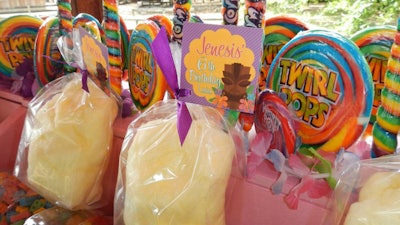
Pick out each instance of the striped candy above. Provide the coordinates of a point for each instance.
(113, 41)
(387, 123)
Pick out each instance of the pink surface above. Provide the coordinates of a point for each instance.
(12, 115)
(249, 201)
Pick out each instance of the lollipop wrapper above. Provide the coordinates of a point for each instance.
(66, 142)
(367, 192)
(161, 181)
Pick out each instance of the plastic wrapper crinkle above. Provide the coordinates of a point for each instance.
(368, 193)
(66, 142)
(162, 182)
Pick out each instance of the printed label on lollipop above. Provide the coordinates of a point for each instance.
(17, 41)
(220, 65)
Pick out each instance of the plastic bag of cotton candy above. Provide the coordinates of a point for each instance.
(368, 192)
(164, 179)
(66, 141)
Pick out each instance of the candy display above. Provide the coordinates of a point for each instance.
(184, 184)
(270, 122)
(181, 15)
(112, 24)
(254, 13)
(387, 123)
(146, 81)
(278, 31)
(328, 83)
(17, 201)
(375, 43)
(230, 12)
(47, 58)
(17, 41)
(58, 150)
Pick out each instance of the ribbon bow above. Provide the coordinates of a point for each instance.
(163, 56)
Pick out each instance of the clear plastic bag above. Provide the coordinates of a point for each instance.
(368, 193)
(66, 142)
(61, 216)
(161, 181)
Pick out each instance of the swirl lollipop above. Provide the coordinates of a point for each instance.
(387, 124)
(146, 82)
(375, 43)
(47, 58)
(327, 82)
(18, 34)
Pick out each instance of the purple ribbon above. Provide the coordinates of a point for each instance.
(163, 56)
(85, 75)
(84, 72)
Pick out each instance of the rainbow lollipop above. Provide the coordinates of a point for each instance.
(46, 57)
(18, 34)
(387, 123)
(146, 81)
(375, 43)
(327, 82)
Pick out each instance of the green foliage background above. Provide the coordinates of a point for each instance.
(344, 16)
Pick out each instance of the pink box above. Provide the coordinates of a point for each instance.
(248, 202)
(12, 116)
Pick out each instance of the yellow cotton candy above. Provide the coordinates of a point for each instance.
(378, 202)
(70, 145)
(169, 184)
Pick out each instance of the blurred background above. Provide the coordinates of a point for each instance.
(343, 16)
